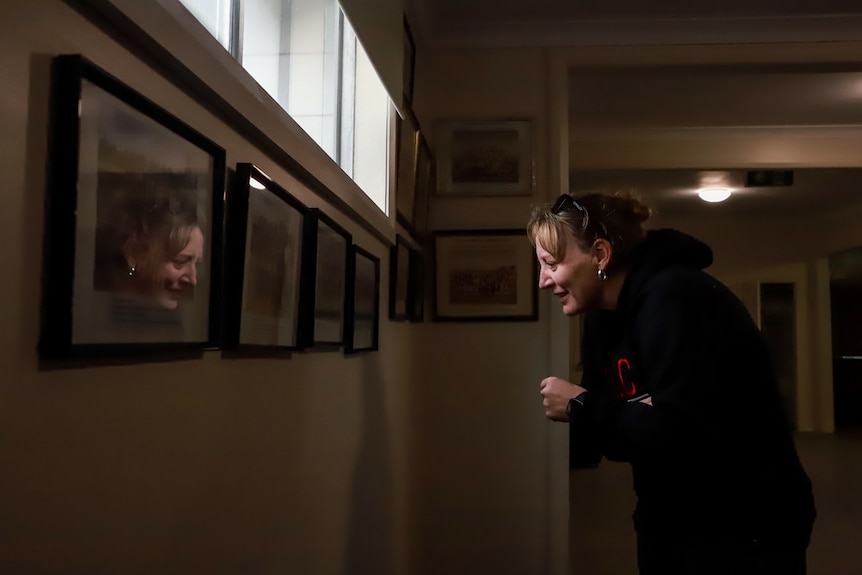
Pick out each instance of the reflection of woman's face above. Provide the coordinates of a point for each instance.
(178, 276)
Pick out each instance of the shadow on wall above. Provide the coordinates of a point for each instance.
(370, 529)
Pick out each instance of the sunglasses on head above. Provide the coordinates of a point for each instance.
(566, 202)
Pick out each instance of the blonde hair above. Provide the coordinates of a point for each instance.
(618, 218)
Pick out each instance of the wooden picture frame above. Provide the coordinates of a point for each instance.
(325, 255)
(263, 263)
(484, 157)
(399, 279)
(362, 328)
(133, 222)
(407, 138)
(484, 275)
(424, 187)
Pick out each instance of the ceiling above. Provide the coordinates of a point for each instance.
(617, 107)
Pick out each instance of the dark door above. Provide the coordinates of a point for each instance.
(846, 303)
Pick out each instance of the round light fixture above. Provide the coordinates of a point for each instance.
(714, 195)
(254, 183)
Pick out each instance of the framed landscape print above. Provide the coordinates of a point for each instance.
(363, 302)
(326, 248)
(485, 275)
(133, 222)
(484, 158)
(263, 263)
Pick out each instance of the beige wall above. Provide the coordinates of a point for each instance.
(207, 465)
(478, 459)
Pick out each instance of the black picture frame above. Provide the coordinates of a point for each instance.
(416, 289)
(325, 258)
(263, 264)
(399, 279)
(409, 70)
(485, 275)
(362, 328)
(119, 167)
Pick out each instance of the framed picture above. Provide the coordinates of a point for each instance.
(405, 182)
(399, 279)
(485, 275)
(484, 158)
(133, 222)
(264, 227)
(409, 62)
(416, 288)
(424, 187)
(363, 302)
(326, 249)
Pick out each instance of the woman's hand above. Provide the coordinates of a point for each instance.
(556, 393)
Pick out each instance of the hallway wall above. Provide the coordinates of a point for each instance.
(204, 465)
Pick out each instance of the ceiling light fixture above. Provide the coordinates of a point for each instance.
(714, 195)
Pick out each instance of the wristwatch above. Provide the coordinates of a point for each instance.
(576, 403)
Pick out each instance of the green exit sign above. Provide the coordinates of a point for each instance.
(769, 178)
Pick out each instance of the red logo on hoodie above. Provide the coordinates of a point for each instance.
(628, 388)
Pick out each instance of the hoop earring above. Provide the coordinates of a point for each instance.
(132, 271)
(603, 275)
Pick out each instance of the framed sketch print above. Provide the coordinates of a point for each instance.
(263, 256)
(326, 248)
(133, 222)
(485, 275)
(484, 158)
(405, 179)
(363, 302)
(399, 279)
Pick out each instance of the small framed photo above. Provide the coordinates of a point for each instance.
(484, 158)
(487, 275)
(399, 279)
(263, 262)
(133, 233)
(363, 302)
(326, 250)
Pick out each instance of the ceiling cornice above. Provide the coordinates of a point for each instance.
(638, 32)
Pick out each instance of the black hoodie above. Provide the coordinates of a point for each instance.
(714, 454)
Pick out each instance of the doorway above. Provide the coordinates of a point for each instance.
(778, 326)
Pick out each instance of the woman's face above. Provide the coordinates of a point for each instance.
(574, 279)
(178, 276)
